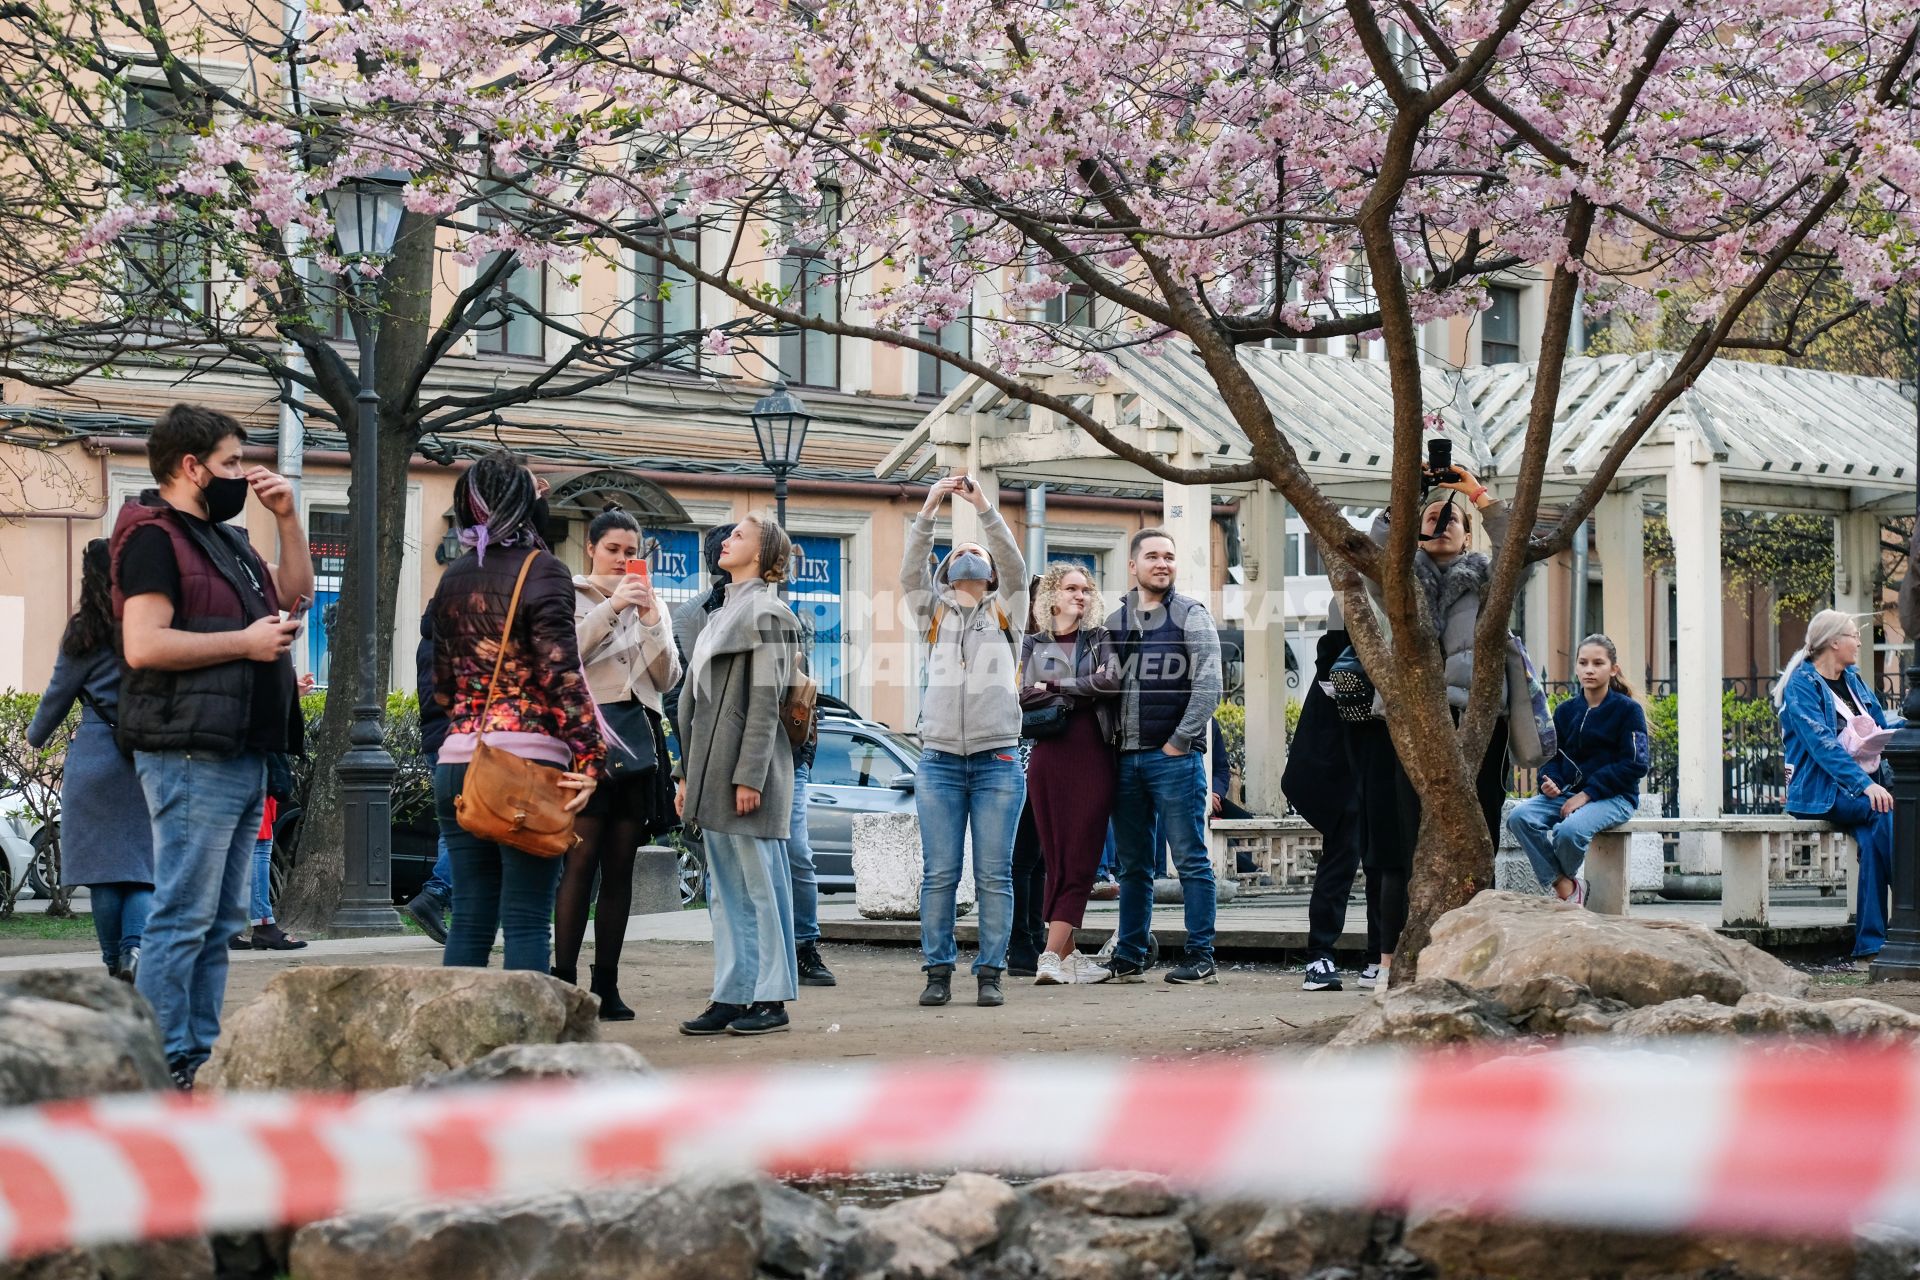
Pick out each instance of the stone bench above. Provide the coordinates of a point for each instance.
(1747, 846)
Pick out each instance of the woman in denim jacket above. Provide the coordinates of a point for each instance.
(1819, 695)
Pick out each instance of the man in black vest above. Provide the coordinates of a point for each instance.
(1171, 666)
(208, 695)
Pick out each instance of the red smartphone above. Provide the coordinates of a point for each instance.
(638, 569)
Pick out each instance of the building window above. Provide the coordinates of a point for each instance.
(327, 304)
(516, 326)
(1073, 308)
(937, 377)
(667, 299)
(808, 357)
(1500, 327)
(169, 262)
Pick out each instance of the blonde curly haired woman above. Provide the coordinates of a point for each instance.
(1069, 691)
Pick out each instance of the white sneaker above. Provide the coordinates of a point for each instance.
(1369, 977)
(1381, 981)
(1106, 948)
(1050, 972)
(1084, 970)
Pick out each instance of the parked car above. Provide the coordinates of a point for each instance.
(860, 766)
(27, 849)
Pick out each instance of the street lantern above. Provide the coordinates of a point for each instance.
(780, 424)
(1899, 958)
(366, 215)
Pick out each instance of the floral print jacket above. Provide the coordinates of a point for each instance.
(542, 687)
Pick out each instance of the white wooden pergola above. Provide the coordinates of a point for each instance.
(1745, 436)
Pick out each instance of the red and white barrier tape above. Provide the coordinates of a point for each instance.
(1757, 1138)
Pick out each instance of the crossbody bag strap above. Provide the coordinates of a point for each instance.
(506, 638)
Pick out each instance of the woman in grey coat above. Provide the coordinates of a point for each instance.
(106, 839)
(736, 783)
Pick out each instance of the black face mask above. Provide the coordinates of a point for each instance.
(225, 496)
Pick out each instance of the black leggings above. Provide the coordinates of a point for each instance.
(1390, 814)
(607, 845)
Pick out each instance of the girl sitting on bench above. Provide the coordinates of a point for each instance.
(1594, 781)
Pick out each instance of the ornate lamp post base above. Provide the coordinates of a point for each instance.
(1899, 959)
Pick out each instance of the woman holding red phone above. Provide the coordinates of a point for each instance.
(626, 647)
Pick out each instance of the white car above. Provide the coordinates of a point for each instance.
(28, 848)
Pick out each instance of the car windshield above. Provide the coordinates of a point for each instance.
(862, 756)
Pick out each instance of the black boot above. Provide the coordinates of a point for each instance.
(129, 965)
(991, 996)
(761, 1017)
(939, 985)
(813, 970)
(569, 975)
(606, 985)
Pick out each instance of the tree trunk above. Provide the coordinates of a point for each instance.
(312, 890)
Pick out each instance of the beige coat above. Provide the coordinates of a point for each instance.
(625, 659)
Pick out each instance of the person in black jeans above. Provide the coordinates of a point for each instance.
(1320, 788)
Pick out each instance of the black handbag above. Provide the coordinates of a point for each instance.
(1353, 691)
(1040, 723)
(635, 755)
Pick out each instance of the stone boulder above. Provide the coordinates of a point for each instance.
(931, 1237)
(1279, 1241)
(1112, 1193)
(190, 1259)
(1097, 1247)
(74, 1033)
(886, 867)
(1503, 940)
(1430, 1011)
(1461, 1247)
(734, 1228)
(1771, 1015)
(347, 1027)
(575, 1060)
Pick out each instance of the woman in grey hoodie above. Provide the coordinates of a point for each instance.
(736, 783)
(970, 773)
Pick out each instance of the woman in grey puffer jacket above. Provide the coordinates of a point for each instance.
(1454, 580)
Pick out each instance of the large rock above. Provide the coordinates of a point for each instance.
(694, 1229)
(886, 867)
(932, 1237)
(1503, 940)
(1461, 1247)
(1279, 1241)
(73, 1033)
(1096, 1247)
(1430, 1011)
(574, 1060)
(159, 1260)
(382, 1026)
(1114, 1193)
(1772, 1016)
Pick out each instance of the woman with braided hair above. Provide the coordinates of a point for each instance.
(542, 711)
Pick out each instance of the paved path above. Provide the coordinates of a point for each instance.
(1263, 927)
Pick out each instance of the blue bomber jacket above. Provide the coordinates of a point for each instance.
(1603, 750)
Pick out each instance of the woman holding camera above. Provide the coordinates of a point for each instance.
(628, 652)
(1829, 724)
(1454, 580)
(1069, 690)
(736, 772)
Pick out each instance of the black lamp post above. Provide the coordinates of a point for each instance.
(780, 429)
(366, 215)
(1899, 959)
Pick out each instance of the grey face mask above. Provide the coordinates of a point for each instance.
(968, 566)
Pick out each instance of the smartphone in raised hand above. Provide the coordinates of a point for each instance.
(638, 569)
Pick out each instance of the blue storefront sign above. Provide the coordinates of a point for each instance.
(815, 592)
(675, 563)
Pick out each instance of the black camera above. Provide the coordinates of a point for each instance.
(1439, 468)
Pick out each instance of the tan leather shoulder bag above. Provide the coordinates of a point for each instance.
(506, 799)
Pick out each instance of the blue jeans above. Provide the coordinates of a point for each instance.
(1162, 797)
(496, 888)
(750, 900)
(806, 884)
(120, 912)
(1874, 834)
(206, 813)
(984, 791)
(1557, 846)
(262, 878)
(439, 884)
